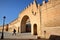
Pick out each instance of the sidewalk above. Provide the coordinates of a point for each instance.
(18, 36)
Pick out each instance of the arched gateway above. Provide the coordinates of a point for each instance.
(25, 24)
(28, 18)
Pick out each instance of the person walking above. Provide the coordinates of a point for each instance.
(14, 32)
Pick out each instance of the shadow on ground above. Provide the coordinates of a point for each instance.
(54, 37)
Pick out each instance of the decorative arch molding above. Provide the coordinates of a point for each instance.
(25, 24)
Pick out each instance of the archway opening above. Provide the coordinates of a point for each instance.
(35, 29)
(25, 25)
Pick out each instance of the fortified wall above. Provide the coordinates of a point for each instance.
(48, 15)
(50, 18)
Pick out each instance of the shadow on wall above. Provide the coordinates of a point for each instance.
(54, 37)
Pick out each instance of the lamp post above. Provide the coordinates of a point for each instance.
(2, 37)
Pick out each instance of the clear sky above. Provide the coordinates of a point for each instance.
(12, 8)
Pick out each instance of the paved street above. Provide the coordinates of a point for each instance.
(19, 36)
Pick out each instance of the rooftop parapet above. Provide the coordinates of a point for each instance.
(48, 4)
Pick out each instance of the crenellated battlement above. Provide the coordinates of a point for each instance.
(45, 5)
(31, 4)
(28, 6)
(49, 4)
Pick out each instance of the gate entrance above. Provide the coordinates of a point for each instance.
(35, 29)
(25, 24)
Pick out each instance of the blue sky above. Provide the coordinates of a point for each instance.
(12, 8)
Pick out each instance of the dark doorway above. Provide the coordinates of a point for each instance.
(35, 29)
(28, 27)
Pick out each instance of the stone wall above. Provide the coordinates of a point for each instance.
(47, 18)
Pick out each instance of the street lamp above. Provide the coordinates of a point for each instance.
(2, 37)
